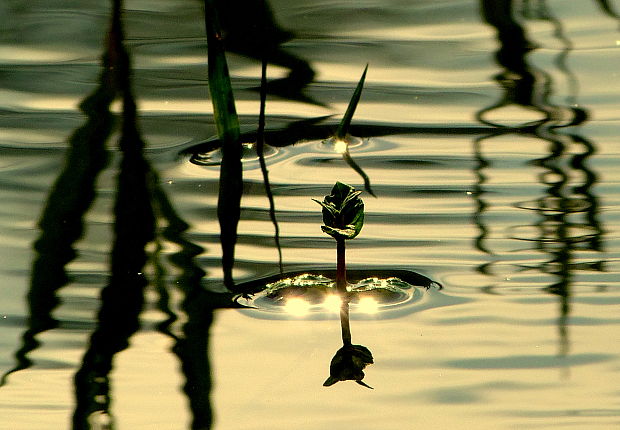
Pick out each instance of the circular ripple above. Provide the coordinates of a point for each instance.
(250, 156)
(314, 295)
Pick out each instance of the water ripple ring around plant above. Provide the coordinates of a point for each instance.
(311, 295)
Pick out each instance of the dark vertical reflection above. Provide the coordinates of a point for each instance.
(134, 227)
(198, 305)
(62, 221)
(346, 156)
(522, 84)
(142, 213)
(260, 134)
(561, 234)
(568, 221)
(478, 195)
(250, 29)
(142, 206)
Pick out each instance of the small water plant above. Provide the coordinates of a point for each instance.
(343, 219)
(342, 138)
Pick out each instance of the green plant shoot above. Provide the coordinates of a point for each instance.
(343, 218)
(343, 212)
(343, 127)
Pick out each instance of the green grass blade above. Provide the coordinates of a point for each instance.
(343, 127)
(220, 87)
(227, 123)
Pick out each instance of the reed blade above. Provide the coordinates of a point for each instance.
(227, 123)
(343, 127)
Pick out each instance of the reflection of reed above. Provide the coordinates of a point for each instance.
(260, 137)
(134, 227)
(198, 305)
(140, 205)
(559, 235)
(250, 29)
(62, 222)
(522, 84)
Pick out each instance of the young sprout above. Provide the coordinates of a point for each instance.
(342, 138)
(343, 212)
(343, 218)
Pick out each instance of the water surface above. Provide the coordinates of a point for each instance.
(490, 141)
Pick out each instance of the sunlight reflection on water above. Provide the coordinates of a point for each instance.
(519, 225)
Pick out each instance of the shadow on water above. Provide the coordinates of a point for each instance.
(559, 234)
(134, 227)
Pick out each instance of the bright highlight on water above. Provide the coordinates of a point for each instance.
(299, 307)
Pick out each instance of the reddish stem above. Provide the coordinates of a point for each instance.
(341, 286)
(341, 271)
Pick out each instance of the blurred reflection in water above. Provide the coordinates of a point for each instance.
(606, 7)
(62, 223)
(134, 227)
(142, 215)
(250, 29)
(568, 213)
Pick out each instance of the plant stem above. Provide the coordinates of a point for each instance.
(341, 286)
(341, 273)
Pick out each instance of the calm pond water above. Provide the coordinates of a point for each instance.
(488, 130)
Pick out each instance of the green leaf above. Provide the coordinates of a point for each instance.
(220, 87)
(343, 127)
(338, 233)
(343, 212)
(227, 123)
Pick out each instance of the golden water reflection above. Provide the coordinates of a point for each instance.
(567, 214)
